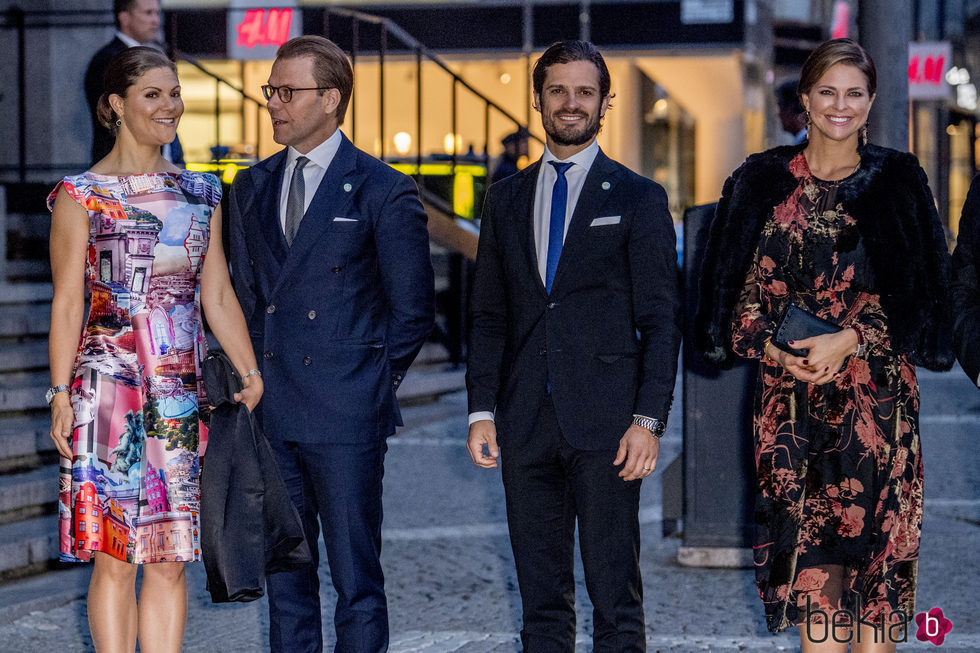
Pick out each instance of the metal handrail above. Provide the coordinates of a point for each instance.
(416, 47)
(19, 19)
(218, 82)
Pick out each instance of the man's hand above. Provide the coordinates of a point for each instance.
(639, 448)
(483, 432)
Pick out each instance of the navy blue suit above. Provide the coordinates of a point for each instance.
(335, 320)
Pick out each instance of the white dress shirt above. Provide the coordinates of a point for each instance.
(547, 175)
(320, 158)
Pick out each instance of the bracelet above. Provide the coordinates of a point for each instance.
(862, 346)
(765, 350)
(655, 426)
(252, 372)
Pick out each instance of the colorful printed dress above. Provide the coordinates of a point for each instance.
(131, 489)
(839, 501)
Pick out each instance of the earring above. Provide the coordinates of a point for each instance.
(118, 122)
(863, 134)
(808, 121)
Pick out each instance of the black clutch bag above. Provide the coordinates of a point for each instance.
(797, 324)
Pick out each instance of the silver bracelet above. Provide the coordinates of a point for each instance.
(655, 426)
(252, 372)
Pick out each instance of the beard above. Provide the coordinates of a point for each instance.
(566, 134)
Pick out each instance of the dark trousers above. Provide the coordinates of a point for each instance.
(338, 486)
(549, 485)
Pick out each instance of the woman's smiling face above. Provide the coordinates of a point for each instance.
(152, 107)
(838, 103)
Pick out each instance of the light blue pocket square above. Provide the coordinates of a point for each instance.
(609, 219)
(339, 219)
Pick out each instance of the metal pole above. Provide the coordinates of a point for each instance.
(453, 130)
(526, 46)
(217, 119)
(584, 20)
(885, 29)
(486, 136)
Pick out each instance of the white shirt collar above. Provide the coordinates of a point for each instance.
(128, 40)
(583, 158)
(321, 155)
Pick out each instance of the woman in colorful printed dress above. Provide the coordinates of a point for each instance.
(134, 231)
(849, 232)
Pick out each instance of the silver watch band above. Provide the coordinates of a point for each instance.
(652, 424)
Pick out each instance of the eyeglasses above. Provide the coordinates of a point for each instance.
(285, 93)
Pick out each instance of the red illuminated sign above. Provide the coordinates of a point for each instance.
(927, 69)
(928, 62)
(264, 27)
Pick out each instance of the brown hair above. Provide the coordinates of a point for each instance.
(124, 70)
(567, 52)
(831, 53)
(331, 67)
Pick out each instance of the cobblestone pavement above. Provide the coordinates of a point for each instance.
(450, 576)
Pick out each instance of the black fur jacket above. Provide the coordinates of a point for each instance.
(966, 286)
(896, 216)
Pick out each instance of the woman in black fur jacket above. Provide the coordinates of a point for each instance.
(849, 232)
(966, 288)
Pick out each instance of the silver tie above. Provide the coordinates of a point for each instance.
(295, 200)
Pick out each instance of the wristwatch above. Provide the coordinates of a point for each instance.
(652, 424)
(49, 395)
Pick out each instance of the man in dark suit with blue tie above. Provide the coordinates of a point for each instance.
(330, 257)
(572, 359)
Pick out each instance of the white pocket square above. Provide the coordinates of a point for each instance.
(609, 219)
(339, 219)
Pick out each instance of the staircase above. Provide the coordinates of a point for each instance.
(28, 461)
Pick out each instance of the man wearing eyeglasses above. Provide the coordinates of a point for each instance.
(330, 259)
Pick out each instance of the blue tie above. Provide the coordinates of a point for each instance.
(556, 230)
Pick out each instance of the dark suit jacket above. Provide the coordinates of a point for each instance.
(605, 339)
(965, 290)
(240, 488)
(337, 318)
(102, 138)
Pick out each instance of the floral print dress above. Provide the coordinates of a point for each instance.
(839, 499)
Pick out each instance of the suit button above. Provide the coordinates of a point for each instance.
(307, 360)
(270, 309)
(335, 269)
(311, 315)
(542, 352)
(268, 355)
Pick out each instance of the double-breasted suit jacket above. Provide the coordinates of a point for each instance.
(337, 318)
(605, 340)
